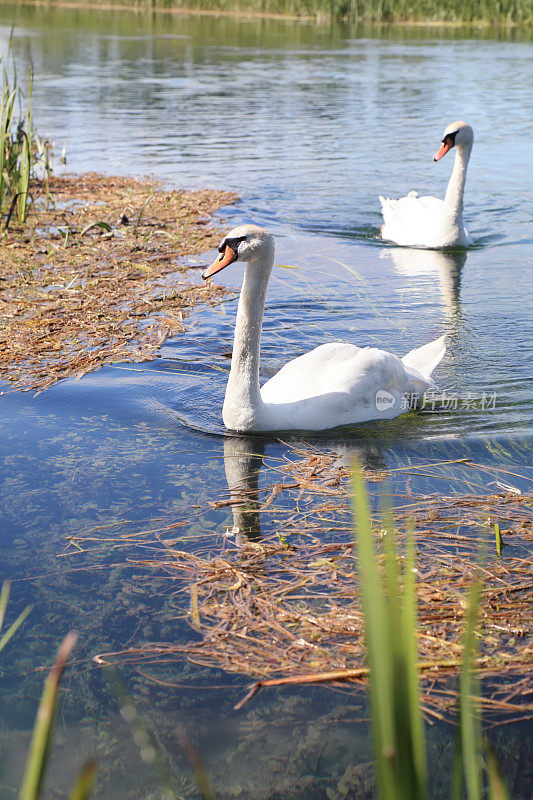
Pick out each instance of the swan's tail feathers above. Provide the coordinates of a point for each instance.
(425, 359)
(387, 210)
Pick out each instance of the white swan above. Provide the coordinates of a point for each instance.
(334, 384)
(415, 221)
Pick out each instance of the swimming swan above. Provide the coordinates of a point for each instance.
(415, 221)
(334, 384)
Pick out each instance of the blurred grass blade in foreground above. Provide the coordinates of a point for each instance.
(388, 596)
(13, 628)
(389, 604)
(85, 782)
(44, 722)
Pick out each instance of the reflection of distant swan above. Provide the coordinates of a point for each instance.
(243, 458)
(414, 263)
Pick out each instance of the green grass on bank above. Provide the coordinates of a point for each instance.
(458, 11)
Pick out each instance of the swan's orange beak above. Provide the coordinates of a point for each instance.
(225, 258)
(446, 145)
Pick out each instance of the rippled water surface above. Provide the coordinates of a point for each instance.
(309, 125)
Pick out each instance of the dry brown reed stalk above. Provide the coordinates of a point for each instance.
(95, 278)
(285, 608)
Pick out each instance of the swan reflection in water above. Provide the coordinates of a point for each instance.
(243, 459)
(447, 265)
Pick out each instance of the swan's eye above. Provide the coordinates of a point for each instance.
(233, 243)
(451, 137)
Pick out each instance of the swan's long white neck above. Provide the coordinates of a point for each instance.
(243, 403)
(453, 201)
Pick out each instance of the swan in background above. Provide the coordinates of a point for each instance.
(413, 263)
(414, 221)
(334, 384)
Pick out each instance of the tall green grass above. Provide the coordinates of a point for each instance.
(509, 11)
(15, 151)
(388, 596)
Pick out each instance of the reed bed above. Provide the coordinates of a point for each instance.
(94, 275)
(495, 11)
(23, 153)
(285, 608)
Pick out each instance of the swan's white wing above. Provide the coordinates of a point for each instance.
(316, 372)
(337, 384)
(411, 220)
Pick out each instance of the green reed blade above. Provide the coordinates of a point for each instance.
(44, 721)
(456, 792)
(496, 786)
(23, 183)
(84, 782)
(13, 628)
(400, 600)
(409, 624)
(16, 154)
(469, 689)
(141, 212)
(389, 606)
(6, 117)
(105, 226)
(498, 538)
(377, 640)
(4, 597)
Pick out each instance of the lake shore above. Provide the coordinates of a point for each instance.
(96, 275)
(316, 11)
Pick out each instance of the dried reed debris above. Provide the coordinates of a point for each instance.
(94, 276)
(284, 607)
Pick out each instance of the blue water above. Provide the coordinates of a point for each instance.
(308, 124)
